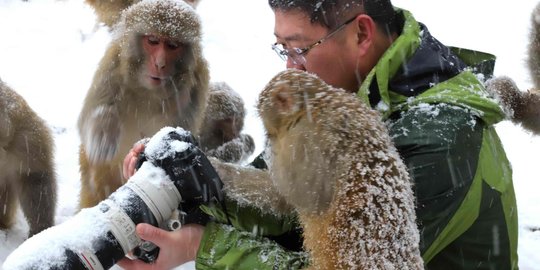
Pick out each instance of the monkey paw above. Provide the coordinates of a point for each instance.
(505, 90)
(102, 139)
(236, 150)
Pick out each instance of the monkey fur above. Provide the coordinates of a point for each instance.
(522, 108)
(108, 11)
(333, 162)
(118, 110)
(27, 168)
(533, 57)
(223, 122)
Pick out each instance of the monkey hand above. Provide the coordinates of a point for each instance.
(235, 150)
(104, 127)
(505, 90)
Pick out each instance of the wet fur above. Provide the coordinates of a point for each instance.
(108, 11)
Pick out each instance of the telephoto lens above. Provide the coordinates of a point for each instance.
(173, 172)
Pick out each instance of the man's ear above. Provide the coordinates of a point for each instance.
(365, 29)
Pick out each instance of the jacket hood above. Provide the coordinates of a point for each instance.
(417, 68)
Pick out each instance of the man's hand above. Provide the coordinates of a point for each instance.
(176, 247)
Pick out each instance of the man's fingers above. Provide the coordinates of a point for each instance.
(152, 234)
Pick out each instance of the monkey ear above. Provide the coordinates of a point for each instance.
(284, 101)
(193, 3)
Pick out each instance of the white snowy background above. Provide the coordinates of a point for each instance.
(49, 50)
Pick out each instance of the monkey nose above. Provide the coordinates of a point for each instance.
(160, 63)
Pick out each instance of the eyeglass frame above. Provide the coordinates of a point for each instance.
(285, 54)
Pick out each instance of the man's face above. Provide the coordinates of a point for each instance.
(332, 60)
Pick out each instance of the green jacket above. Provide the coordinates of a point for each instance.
(441, 120)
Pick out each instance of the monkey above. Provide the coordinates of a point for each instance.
(223, 121)
(533, 52)
(152, 75)
(108, 11)
(522, 107)
(27, 177)
(333, 162)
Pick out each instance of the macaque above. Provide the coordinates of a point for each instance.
(152, 75)
(108, 11)
(333, 162)
(533, 57)
(27, 173)
(522, 107)
(223, 122)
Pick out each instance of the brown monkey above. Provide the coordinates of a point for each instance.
(523, 108)
(333, 162)
(223, 122)
(152, 75)
(27, 175)
(533, 58)
(108, 11)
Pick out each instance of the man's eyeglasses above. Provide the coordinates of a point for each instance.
(297, 54)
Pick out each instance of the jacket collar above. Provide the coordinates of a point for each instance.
(417, 62)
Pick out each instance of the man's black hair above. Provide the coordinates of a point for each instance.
(330, 13)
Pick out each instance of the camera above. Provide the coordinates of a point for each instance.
(174, 177)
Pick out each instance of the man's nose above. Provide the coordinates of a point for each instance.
(292, 64)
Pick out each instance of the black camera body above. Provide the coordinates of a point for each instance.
(173, 176)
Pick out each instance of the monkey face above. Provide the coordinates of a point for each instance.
(161, 55)
(226, 128)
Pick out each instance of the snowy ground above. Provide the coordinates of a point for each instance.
(49, 51)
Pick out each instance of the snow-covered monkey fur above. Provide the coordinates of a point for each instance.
(108, 11)
(27, 175)
(333, 162)
(121, 108)
(221, 135)
(523, 107)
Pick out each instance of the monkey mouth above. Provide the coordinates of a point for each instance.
(156, 80)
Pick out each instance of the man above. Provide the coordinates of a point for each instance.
(438, 116)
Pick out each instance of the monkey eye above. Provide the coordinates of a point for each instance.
(173, 45)
(152, 40)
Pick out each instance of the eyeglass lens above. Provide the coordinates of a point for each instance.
(295, 54)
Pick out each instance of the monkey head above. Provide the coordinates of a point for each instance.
(292, 107)
(225, 112)
(284, 100)
(108, 11)
(165, 36)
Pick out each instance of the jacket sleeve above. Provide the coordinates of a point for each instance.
(244, 243)
(225, 247)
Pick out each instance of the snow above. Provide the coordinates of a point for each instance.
(49, 51)
(160, 148)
